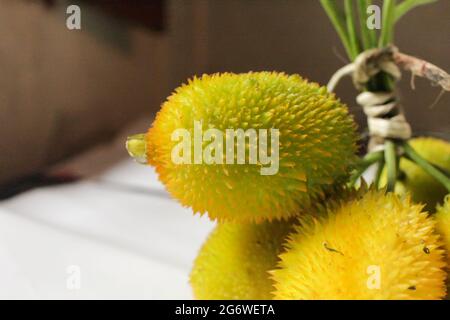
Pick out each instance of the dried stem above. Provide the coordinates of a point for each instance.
(422, 68)
(416, 66)
(376, 70)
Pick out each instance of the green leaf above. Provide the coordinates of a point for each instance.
(338, 20)
(407, 5)
(368, 36)
(388, 22)
(351, 28)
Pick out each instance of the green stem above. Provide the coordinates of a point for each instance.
(426, 166)
(351, 28)
(368, 36)
(379, 172)
(388, 21)
(338, 21)
(390, 157)
(365, 163)
(408, 5)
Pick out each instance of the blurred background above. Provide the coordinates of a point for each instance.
(62, 91)
(68, 98)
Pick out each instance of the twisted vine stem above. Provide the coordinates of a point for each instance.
(375, 68)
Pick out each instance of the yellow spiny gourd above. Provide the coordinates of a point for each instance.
(372, 247)
(235, 260)
(413, 179)
(443, 228)
(316, 144)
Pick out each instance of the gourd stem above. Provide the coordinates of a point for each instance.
(136, 147)
(427, 166)
(365, 163)
(379, 172)
(390, 157)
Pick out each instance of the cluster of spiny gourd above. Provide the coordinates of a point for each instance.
(301, 233)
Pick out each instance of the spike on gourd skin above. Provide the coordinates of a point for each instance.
(443, 228)
(235, 260)
(376, 246)
(413, 179)
(317, 144)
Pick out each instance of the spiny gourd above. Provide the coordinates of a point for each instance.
(317, 142)
(235, 260)
(443, 227)
(373, 247)
(422, 187)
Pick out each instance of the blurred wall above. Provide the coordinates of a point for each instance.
(296, 37)
(62, 91)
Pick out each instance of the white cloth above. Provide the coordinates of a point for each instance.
(121, 232)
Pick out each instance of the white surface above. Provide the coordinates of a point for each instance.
(128, 238)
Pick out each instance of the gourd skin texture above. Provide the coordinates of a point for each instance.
(317, 144)
(235, 260)
(328, 257)
(443, 228)
(422, 187)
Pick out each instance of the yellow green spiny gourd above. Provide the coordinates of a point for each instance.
(235, 260)
(316, 144)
